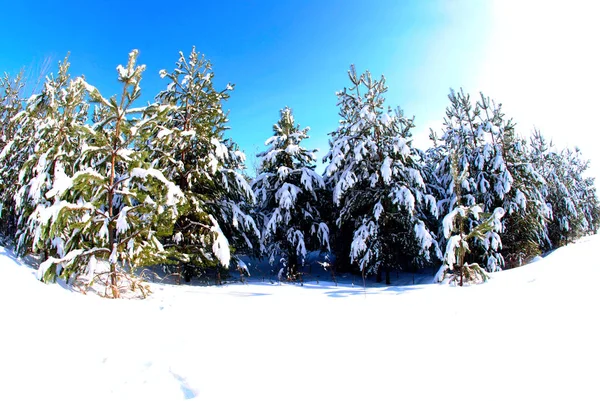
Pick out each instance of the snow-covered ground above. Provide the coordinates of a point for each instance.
(531, 333)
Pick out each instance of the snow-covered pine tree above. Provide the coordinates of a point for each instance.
(433, 158)
(465, 149)
(115, 205)
(190, 149)
(377, 181)
(514, 185)
(590, 204)
(583, 191)
(460, 232)
(497, 173)
(569, 193)
(52, 126)
(286, 189)
(11, 104)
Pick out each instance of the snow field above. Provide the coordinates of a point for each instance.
(529, 333)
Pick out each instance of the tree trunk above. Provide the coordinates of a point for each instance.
(111, 228)
(387, 276)
(460, 269)
(292, 264)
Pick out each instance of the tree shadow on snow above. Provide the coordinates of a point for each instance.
(10, 254)
(28, 261)
(370, 291)
(248, 294)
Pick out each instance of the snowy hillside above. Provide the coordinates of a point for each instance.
(529, 333)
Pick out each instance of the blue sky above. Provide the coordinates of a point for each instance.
(296, 53)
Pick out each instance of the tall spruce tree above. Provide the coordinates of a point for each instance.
(189, 147)
(377, 181)
(287, 189)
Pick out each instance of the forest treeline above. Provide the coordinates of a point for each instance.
(89, 181)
